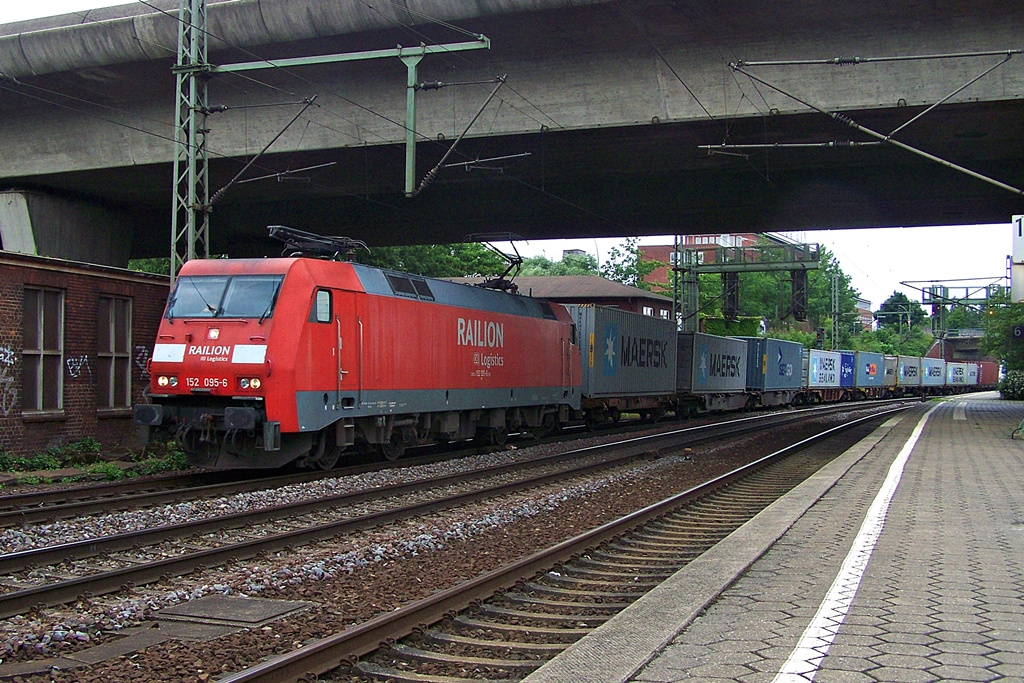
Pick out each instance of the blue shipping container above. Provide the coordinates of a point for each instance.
(870, 370)
(847, 369)
(773, 364)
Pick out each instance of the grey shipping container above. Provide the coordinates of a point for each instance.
(773, 364)
(870, 370)
(892, 370)
(909, 371)
(821, 369)
(624, 353)
(933, 372)
(711, 364)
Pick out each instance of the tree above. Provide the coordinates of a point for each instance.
(437, 260)
(900, 312)
(625, 265)
(571, 264)
(999, 341)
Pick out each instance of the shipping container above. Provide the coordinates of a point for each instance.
(892, 371)
(708, 363)
(847, 369)
(870, 370)
(956, 374)
(972, 374)
(773, 364)
(624, 353)
(821, 369)
(909, 371)
(933, 372)
(988, 374)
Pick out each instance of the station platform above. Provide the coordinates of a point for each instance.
(902, 560)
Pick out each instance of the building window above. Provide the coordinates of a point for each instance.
(43, 351)
(114, 333)
(649, 310)
(664, 314)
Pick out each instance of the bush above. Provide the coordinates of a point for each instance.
(109, 470)
(1011, 387)
(72, 454)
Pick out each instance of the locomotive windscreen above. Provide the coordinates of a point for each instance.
(219, 296)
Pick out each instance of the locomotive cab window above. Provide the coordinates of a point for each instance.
(322, 312)
(218, 296)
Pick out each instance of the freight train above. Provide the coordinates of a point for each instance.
(263, 362)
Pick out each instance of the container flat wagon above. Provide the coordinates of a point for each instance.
(628, 363)
(712, 373)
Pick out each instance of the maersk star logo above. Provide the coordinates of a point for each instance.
(611, 335)
(702, 369)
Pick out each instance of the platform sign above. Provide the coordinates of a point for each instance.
(1017, 265)
(1018, 332)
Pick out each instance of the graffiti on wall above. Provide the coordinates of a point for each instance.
(8, 394)
(78, 367)
(142, 354)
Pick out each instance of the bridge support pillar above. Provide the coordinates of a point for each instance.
(40, 224)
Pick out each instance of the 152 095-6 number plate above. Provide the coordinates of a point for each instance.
(206, 382)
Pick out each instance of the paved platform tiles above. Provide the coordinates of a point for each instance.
(941, 597)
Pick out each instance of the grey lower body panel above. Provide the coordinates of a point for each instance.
(318, 409)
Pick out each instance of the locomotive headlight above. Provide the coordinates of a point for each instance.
(244, 382)
(255, 383)
(167, 381)
(174, 381)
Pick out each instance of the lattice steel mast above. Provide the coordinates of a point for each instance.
(190, 220)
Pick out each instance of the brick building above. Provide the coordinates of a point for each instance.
(74, 342)
(704, 245)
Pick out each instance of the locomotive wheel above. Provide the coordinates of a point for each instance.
(328, 460)
(395, 448)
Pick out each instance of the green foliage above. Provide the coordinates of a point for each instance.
(913, 342)
(625, 265)
(437, 260)
(744, 327)
(964, 318)
(999, 342)
(1011, 387)
(160, 457)
(68, 455)
(897, 310)
(808, 339)
(159, 266)
(571, 264)
(108, 470)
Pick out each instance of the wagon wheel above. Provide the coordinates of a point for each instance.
(497, 436)
(394, 448)
(614, 415)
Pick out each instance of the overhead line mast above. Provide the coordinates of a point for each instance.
(190, 221)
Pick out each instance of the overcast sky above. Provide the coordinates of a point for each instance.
(876, 260)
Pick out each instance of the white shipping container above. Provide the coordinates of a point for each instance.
(909, 374)
(823, 368)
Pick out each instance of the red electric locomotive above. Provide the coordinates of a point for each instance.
(261, 362)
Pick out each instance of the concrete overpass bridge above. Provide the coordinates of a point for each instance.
(613, 102)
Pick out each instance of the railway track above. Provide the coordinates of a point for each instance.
(63, 573)
(504, 624)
